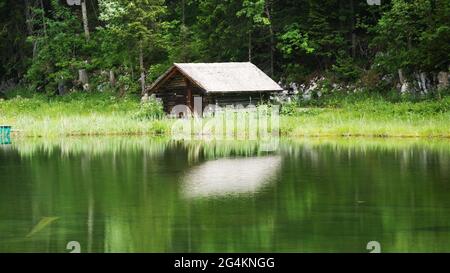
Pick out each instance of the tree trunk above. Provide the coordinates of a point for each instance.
(352, 10)
(29, 22)
(443, 80)
(28, 17)
(44, 26)
(272, 38)
(35, 48)
(112, 78)
(400, 76)
(141, 65)
(183, 33)
(61, 88)
(250, 46)
(83, 78)
(403, 82)
(423, 81)
(85, 19)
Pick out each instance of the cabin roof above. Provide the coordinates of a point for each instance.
(222, 77)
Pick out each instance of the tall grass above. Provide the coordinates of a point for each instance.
(371, 116)
(106, 114)
(79, 114)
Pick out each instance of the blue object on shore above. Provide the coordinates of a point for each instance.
(5, 134)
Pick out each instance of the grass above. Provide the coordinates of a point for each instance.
(106, 114)
(373, 117)
(78, 115)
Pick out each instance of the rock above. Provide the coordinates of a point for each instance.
(404, 88)
(145, 98)
(442, 80)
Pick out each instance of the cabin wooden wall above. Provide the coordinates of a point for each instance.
(243, 98)
(175, 92)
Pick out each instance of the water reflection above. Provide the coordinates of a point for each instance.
(148, 195)
(224, 177)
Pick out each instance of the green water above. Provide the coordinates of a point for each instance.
(144, 195)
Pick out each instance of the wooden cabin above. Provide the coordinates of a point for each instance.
(219, 84)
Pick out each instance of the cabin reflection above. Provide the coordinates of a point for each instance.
(225, 177)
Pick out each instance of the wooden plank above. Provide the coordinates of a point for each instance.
(188, 93)
(163, 79)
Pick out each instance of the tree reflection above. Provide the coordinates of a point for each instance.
(147, 195)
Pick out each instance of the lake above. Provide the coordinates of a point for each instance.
(138, 194)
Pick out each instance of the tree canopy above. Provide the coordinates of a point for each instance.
(43, 43)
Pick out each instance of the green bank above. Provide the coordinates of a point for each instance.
(108, 114)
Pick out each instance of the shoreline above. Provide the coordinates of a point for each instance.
(290, 127)
(282, 135)
(104, 115)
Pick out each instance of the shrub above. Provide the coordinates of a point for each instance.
(346, 70)
(150, 109)
(289, 108)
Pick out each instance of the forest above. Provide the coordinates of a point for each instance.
(350, 67)
(56, 46)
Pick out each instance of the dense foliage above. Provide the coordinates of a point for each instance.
(128, 43)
